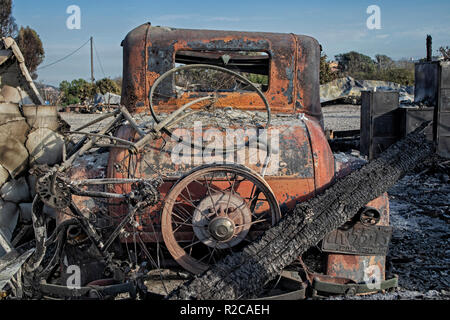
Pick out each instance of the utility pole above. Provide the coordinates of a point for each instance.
(92, 62)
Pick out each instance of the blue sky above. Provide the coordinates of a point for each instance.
(340, 26)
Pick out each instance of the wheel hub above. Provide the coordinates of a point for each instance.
(222, 220)
(221, 229)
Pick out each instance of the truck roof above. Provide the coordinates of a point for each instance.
(290, 61)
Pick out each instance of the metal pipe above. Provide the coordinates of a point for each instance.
(104, 181)
(102, 136)
(429, 47)
(133, 123)
(88, 144)
(73, 231)
(141, 143)
(92, 60)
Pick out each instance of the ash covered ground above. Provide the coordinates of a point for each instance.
(419, 251)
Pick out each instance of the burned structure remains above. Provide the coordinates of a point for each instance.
(384, 120)
(152, 189)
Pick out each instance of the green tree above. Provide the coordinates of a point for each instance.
(83, 90)
(355, 64)
(384, 62)
(326, 73)
(64, 87)
(106, 85)
(30, 44)
(383, 68)
(77, 91)
(8, 27)
(67, 96)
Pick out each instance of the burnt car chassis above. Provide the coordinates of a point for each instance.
(54, 188)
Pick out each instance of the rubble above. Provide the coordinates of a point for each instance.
(83, 218)
(420, 249)
(107, 99)
(4, 175)
(349, 90)
(28, 134)
(45, 146)
(16, 85)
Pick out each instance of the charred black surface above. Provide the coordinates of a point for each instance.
(243, 275)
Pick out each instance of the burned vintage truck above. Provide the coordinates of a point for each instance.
(289, 67)
(220, 135)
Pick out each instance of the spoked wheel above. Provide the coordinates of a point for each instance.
(213, 211)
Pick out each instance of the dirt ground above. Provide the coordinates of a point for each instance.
(76, 120)
(419, 251)
(341, 117)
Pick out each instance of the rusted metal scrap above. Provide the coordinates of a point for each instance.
(243, 275)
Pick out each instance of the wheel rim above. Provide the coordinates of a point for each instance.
(213, 211)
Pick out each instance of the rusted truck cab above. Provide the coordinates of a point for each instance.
(306, 164)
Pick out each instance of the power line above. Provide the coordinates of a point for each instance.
(57, 61)
(100, 61)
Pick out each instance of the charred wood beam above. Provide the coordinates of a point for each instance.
(243, 275)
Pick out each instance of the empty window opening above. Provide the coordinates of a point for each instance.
(252, 65)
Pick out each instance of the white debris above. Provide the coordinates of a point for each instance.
(107, 98)
(45, 146)
(349, 87)
(41, 117)
(14, 155)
